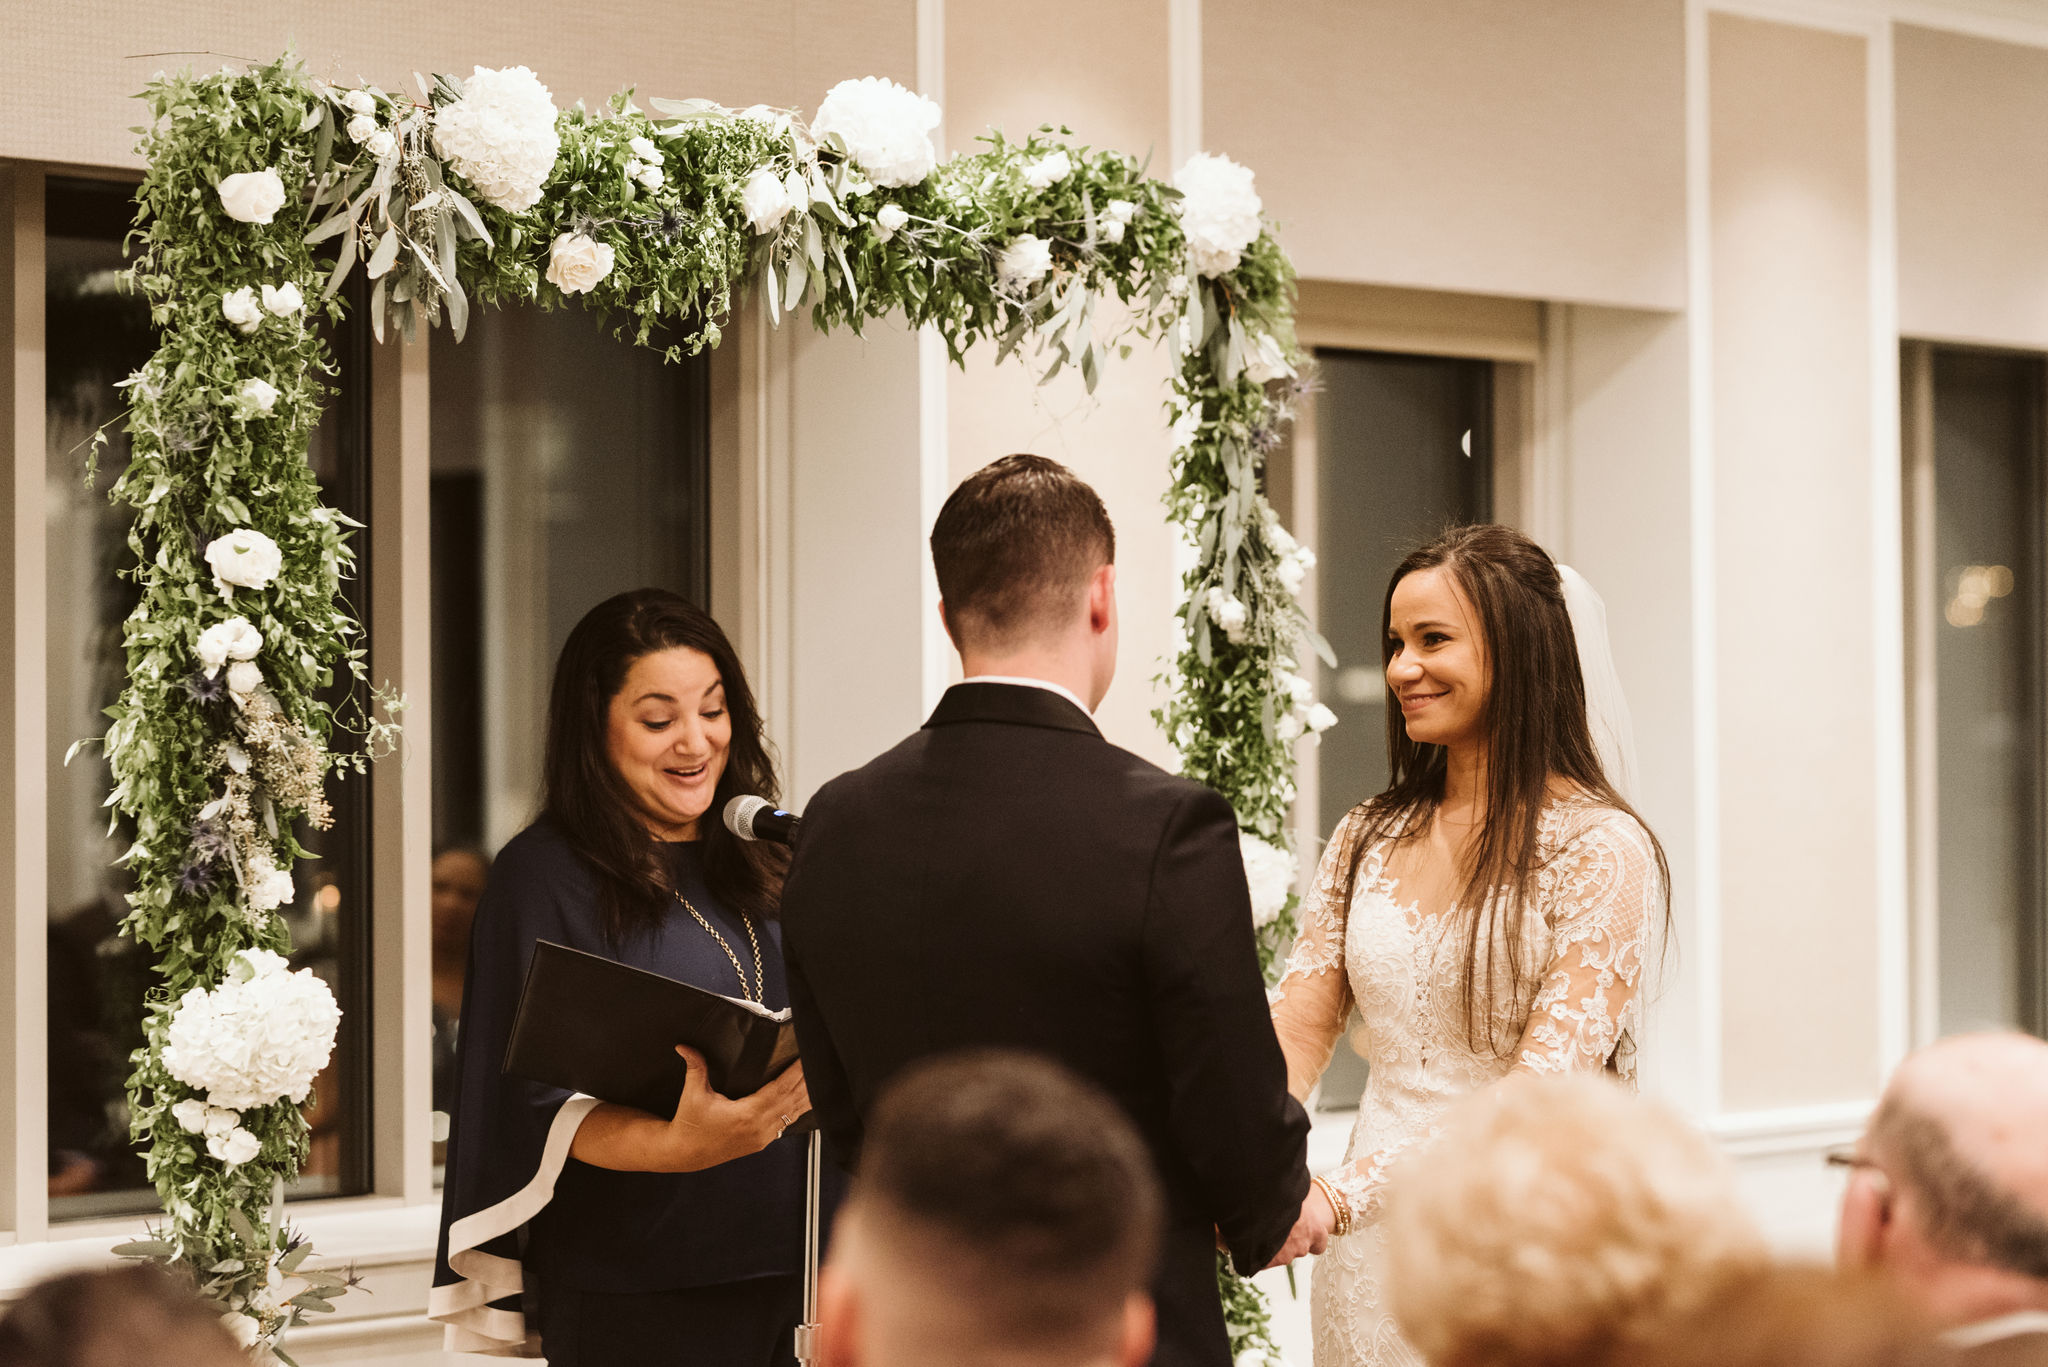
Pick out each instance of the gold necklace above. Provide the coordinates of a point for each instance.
(757, 996)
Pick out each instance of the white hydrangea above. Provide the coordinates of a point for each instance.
(1042, 173)
(1219, 211)
(1269, 870)
(500, 136)
(1025, 261)
(887, 129)
(259, 1037)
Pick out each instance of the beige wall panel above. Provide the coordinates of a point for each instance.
(1973, 188)
(1016, 69)
(68, 70)
(1491, 146)
(1793, 497)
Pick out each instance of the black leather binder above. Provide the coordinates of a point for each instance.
(609, 1030)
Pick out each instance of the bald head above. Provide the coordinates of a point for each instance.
(1954, 1200)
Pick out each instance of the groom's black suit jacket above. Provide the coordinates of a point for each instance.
(1006, 877)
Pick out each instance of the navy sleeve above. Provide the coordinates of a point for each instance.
(824, 1075)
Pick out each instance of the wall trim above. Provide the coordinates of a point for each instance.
(1790, 1129)
(1184, 80)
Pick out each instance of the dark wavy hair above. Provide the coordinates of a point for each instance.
(588, 802)
(1536, 730)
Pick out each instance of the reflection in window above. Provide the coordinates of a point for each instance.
(97, 333)
(1987, 632)
(568, 466)
(1403, 449)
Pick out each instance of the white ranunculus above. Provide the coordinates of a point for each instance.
(500, 136)
(1269, 871)
(1219, 211)
(1319, 719)
(234, 1148)
(244, 678)
(1228, 612)
(257, 395)
(1267, 361)
(361, 127)
(1024, 262)
(1122, 210)
(578, 261)
(797, 192)
(382, 145)
(1109, 230)
(283, 300)
(260, 1036)
(644, 148)
(240, 308)
(764, 201)
(1042, 173)
(252, 196)
(360, 102)
(650, 177)
(243, 559)
(268, 886)
(890, 220)
(887, 129)
(234, 639)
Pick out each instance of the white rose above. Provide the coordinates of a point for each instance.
(650, 177)
(258, 395)
(234, 639)
(243, 1329)
(1109, 230)
(234, 1148)
(1042, 173)
(243, 559)
(764, 201)
(361, 127)
(219, 1121)
(252, 196)
(360, 102)
(191, 1115)
(244, 678)
(500, 136)
(1319, 718)
(1267, 361)
(283, 300)
(1219, 211)
(381, 145)
(1269, 874)
(1122, 210)
(1025, 261)
(1228, 612)
(578, 261)
(644, 148)
(890, 220)
(240, 308)
(886, 128)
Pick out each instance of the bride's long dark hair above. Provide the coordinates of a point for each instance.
(1536, 731)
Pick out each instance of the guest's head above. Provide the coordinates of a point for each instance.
(457, 874)
(135, 1316)
(1026, 562)
(1795, 1317)
(1948, 1191)
(1556, 1220)
(1004, 1214)
(651, 730)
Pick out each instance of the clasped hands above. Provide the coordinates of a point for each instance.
(1312, 1228)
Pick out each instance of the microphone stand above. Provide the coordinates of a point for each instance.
(807, 1332)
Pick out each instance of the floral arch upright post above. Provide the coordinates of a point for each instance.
(482, 192)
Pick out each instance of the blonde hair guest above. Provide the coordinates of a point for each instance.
(1556, 1221)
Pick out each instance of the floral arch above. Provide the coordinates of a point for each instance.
(481, 191)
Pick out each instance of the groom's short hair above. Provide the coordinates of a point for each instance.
(1014, 547)
(1011, 1187)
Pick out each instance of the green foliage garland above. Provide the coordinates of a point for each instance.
(364, 182)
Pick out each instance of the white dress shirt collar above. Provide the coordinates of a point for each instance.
(1047, 684)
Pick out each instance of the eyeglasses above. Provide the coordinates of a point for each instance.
(1845, 1156)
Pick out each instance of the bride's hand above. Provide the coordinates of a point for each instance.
(1311, 1233)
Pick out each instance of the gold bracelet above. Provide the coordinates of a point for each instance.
(1338, 1204)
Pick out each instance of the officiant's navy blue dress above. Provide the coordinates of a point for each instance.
(702, 1268)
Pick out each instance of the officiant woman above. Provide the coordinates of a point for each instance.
(596, 1233)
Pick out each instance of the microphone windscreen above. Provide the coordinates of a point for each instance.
(740, 813)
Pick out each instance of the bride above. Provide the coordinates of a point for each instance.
(1488, 912)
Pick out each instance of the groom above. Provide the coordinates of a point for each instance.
(1006, 877)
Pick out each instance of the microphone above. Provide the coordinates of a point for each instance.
(756, 818)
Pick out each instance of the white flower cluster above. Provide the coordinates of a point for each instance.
(1219, 211)
(1228, 612)
(1269, 870)
(578, 261)
(1268, 360)
(887, 129)
(1294, 559)
(1115, 217)
(644, 165)
(1304, 713)
(235, 639)
(242, 308)
(244, 558)
(1025, 262)
(1042, 173)
(768, 198)
(268, 886)
(500, 136)
(363, 128)
(225, 1137)
(259, 1037)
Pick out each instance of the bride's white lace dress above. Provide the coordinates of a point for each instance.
(1575, 1007)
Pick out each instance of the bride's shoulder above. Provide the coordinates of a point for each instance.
(1572, 815)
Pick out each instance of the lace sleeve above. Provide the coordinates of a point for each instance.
(1598, 896)
(1313, 999)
